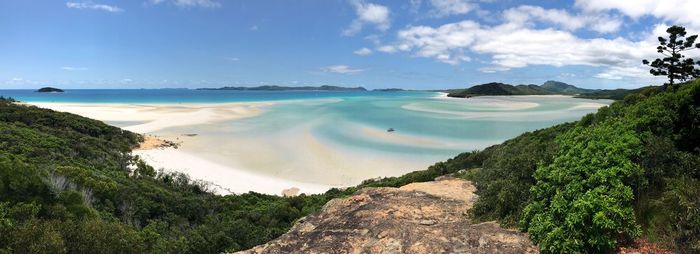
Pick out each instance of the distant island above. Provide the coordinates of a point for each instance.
(288, 88)
(389, 90)
(495, 88)
(49, 90)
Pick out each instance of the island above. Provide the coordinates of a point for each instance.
(49, 90)
(288, 88)
(389, 90)
(494, 88)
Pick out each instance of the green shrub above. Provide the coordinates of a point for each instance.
(582, 202)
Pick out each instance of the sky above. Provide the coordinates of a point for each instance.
(414, 44)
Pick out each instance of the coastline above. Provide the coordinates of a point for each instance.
(236, 150)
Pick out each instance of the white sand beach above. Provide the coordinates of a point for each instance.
(223, 179)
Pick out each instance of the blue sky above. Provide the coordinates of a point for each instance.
(418, 44)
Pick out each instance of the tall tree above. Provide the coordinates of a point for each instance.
(675, 65)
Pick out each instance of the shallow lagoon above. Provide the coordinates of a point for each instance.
(338, 138)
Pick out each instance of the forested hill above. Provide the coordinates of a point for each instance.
(494, 88)
(630, 171)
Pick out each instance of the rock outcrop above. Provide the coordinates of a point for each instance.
(416, 218)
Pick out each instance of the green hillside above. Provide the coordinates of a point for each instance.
(563, 88)
(499, 89)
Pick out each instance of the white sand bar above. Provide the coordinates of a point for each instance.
(157, 117)
(223, 179)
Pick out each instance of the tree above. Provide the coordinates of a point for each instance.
(675, 65)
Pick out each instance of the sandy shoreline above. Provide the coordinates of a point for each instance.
(222, 179)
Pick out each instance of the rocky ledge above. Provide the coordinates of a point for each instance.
(416, 218)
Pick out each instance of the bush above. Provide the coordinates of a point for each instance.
(582, 202)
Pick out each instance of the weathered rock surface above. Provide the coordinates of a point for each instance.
(416, 218)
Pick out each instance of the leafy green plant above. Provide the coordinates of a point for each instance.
(582, 202)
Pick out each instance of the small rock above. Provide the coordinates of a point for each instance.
(427, 222)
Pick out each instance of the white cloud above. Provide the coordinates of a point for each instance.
(363, 51)
(510, 45)
(525, 14)
(683, 12)
(93, 6)
(253, 28)
(618, 72)
(368, 14)
(71, 68)
(342, 69)
(190, 3)
(452, 7)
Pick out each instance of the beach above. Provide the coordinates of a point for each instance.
(310, 146)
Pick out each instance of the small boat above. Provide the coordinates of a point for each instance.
(390, 130)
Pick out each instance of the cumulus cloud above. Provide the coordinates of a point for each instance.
(363, 51)
(190, 3)
(512, 45)
(368, 14)
(341, 69)
(525, 14)
(93, 6)
(675, 11)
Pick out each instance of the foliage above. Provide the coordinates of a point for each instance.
(675, 65)
(583, 200)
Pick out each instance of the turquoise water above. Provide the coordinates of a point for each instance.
(182, 95)
(340, 138)
(474, 122)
